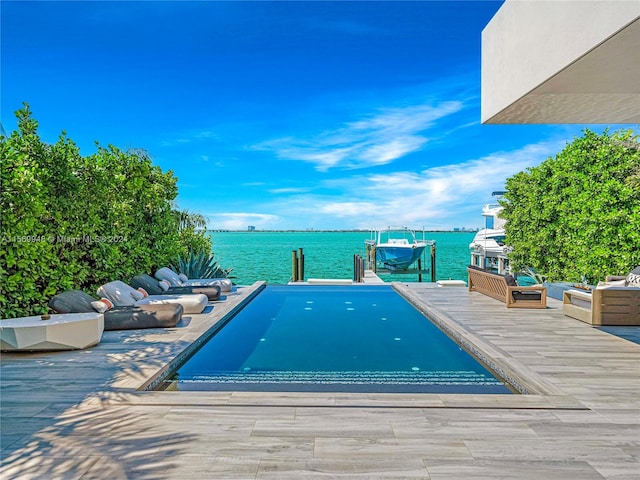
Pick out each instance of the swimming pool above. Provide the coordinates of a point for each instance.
(332, 338)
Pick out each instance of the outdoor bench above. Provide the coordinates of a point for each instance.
(506, 289)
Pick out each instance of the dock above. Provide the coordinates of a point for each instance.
(80, 414)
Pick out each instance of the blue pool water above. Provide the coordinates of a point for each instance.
(333, 338)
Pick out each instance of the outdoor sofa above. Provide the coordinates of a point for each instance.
(180, 280)
(155, 287)
(613, 302)
(118, 318)
(506, 289)
(122, 295)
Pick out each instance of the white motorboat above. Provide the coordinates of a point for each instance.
(397, 247)
(488, 249)
(489, 241)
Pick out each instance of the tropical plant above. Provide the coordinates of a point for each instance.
(536, 277)
(578, 213)
(190, 220)
(200, 264)
(192, 231)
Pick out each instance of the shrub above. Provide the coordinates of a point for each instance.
(70, 221)
(578, 214)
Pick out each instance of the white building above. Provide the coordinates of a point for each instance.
(562, 61)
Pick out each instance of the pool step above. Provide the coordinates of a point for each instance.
(355, 378)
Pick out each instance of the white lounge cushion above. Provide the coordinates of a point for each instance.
(224, 283)
(192, 303)
(580, 299)
(175, 280)
(169, 275)
(121, 295)
(616, 285)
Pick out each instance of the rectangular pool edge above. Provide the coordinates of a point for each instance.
(518, 375)
(339, 400)
(151, 383)
(546, 397)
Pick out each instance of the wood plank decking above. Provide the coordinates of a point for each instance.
(78, 414)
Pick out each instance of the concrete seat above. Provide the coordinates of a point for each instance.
(53, 332)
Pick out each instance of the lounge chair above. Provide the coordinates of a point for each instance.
(119, 318)
(613, 302)
(153, 287)
(123, 295)
(182, 281)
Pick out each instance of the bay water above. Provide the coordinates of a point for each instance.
(266, 255)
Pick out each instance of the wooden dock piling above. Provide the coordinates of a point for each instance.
(297, 265)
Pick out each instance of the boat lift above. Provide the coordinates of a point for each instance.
(428, 257)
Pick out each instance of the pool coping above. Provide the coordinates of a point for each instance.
(525, 380)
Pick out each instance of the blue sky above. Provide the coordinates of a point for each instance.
(281, 115)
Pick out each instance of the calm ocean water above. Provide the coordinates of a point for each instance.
(267, 255)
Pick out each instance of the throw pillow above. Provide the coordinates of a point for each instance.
(164, 285)
(633, 279)
(99, 306)
(143, 292)
(183, 277)
(137, 295)
(72, 301)
(102, 305)
(167, 274)
(120, 294)
(511, 281)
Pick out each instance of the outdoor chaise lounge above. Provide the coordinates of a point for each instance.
(613, 302)
(119, 318)
(154, 287)
(122, 295)
(506, 289)
(179, 280)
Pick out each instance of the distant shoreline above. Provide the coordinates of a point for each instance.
(220, 230)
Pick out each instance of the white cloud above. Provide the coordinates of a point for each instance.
(288, 190)
(440, 197)
(346, 209)
(240, 220)
(253, 184)
(189, 137)
(377, 139)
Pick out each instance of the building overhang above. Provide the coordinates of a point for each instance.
(562, 62)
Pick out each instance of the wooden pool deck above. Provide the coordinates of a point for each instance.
(78, 415)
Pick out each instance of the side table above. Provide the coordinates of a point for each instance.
(69, 331)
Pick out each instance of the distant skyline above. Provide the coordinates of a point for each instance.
(281, 115)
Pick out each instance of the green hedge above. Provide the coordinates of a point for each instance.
(70, 221)
(578, 213)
